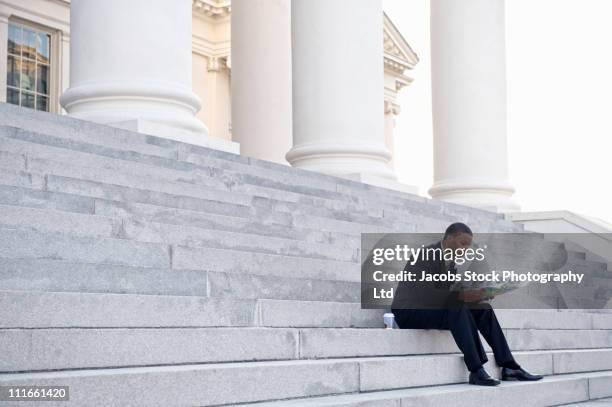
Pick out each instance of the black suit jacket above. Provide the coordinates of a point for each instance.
(425, 295)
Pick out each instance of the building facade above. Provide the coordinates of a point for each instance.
(36, 45)
(282, 80)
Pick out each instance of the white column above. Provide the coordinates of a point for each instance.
(338, 119)
(131, 67)
(392, 109)
(468, 60)
(64, 63)
(261, 78)
(4, 22)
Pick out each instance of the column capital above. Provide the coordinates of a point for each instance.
(214, 64)
(391, 107)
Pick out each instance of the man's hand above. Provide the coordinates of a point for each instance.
(472, 295)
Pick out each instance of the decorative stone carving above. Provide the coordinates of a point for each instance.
(212, 8)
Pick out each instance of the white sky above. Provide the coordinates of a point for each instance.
(559, 67)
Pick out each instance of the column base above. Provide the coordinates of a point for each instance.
(163, 110)
(343, 160)
(494, 197)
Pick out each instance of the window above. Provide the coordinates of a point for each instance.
(28, 73)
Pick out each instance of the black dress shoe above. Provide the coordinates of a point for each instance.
(482, 378)
(518, 374)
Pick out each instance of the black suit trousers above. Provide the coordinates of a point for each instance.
(464, 324)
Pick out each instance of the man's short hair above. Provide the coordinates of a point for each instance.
(457, 228)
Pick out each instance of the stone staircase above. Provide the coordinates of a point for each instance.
(142, 271)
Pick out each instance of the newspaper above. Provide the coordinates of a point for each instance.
(489, 289)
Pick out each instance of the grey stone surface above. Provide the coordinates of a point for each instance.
(51, 221)
(190, 258)
(244, 179)
(600, 385)
(153, 232)
(18, 178)
(242, 382)
(151, 252)
(32, 198)
(70, 130)
(80, 130)
(342, 211)
(544, 319)
(40, 309)
(121, 193)
(240, 285)
(317, 314)
(74, 129)
(278, 227)
(12, 161)
(588, 360)
(23, 244)
(114, 347)
(558, 338)
(61, 158)
(551, 391)
(412, 371)
(602, 321)
(545, 393)
(427, 370)
(326, 343)
(143, 182)
(321, 343)
(24, 309)
(54, 155)
(607, 402)
(198, 384)
(75, 309)
(194, 237)
(70, 348)
(63, 276)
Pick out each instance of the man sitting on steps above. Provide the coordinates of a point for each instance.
(464, 315)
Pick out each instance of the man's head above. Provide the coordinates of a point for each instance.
(457, 236)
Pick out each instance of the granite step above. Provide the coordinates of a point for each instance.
(144, 212)
(76, 130)
(28, 244)
(230, 383)
(25, 244)
(271, 210)
(199, 181)
(36, 309)
(44, 311)
(320, 207)
(401, 202)
(348, 342)
(206, 214)
(34, 349)
(75, 133)
(41, 152)
(53, 275)
(50, 221)
(604, 402)
(554, 390)
(31, 309)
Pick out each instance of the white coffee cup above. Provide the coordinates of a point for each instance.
(389, 320)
